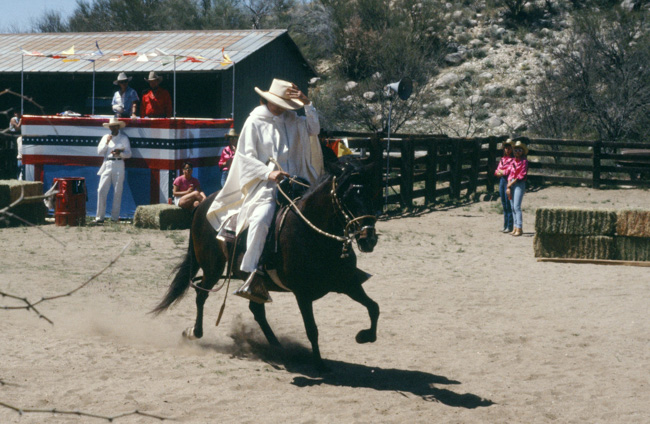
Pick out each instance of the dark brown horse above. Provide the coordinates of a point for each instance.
(314, 255)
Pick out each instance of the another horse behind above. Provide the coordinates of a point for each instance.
(314, 254)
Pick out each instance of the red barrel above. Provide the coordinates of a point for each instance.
(70, 207)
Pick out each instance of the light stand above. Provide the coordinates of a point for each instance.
(403, 88)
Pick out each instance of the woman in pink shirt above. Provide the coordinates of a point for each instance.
(502, 171)
(187, 189)
(517, 183)
(227, 155)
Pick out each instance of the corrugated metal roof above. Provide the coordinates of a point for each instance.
(238, 44)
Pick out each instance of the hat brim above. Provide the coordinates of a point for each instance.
(116, 82)
(524, 148)
(154, 79)
(290, 104)
(120, 124)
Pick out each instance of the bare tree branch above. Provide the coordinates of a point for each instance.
(22, 411)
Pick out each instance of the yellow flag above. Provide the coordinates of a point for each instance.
(69, 51)
(71, 60)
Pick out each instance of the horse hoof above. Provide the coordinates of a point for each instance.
(188, 334)
(366, 336)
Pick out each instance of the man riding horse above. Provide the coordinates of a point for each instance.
(274, 143)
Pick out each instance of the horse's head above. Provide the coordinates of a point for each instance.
(356, 189)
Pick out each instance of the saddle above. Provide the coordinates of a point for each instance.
(294, 188)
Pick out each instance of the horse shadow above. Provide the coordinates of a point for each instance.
(297, 359)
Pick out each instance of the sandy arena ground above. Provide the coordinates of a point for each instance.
(472, 330)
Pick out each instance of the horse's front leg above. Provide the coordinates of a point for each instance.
(259, 312)
(357, 293)
(307, 311)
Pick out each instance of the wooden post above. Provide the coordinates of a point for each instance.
(476, 161)
(454, 181)
(378, 178)
(431, 173)
(406, 180)
(596, 171)
(491, 165)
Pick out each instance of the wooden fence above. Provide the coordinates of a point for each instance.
(430, 167)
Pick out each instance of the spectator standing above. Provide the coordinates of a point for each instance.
(156, 102)
(502, 171)
(228, 154)
(125, 100)
(115, 147)
(187, 189)
(517, 183)
(15, 123)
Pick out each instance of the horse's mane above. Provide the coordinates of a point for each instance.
(342, 169)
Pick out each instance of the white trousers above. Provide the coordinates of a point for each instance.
(112, 175)
(258, 227)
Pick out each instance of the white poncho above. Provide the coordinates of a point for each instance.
(286, 138)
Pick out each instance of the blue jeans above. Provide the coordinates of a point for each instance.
(224, 175)
(505, 203)
(517, 191)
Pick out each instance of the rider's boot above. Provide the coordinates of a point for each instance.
(254, 290)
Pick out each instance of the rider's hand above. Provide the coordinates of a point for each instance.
(277, 176)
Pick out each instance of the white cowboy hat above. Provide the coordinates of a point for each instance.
(232, 133)
(521, 145)
(122, 77)
(277, 95)
(154, 76)
(114, 122)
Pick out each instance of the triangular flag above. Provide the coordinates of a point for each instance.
(26, 53)
(160, 52)
(192, 59)
(226, 59)
(56, 56)
(99, 51)
(69, 51)
(115, 58)
(71, 60)
(142, 58)
(128, 53)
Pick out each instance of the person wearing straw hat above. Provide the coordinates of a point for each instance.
(115, 147)
(228, 154)
(274, 143)
(125, 100)
(517, 183)
(502, 171)
(156, 102)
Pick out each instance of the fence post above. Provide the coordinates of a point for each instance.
(476, 161)
(491, 165)
(456, 167)
(596, 171)
(406, 181)
(431, 173)
(378, 199)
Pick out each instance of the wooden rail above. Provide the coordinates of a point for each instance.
(430, 167)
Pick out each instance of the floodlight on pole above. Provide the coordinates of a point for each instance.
(403, 88)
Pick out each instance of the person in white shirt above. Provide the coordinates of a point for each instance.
(115, 147)
(125, 100)
(272, 131)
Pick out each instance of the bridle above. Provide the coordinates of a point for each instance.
(350, 221)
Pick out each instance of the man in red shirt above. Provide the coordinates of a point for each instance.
(156, 103)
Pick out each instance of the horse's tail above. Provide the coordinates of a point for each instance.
(185, 271)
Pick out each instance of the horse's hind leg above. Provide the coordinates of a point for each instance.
(259, 312)
(202, 294)
(359, 294)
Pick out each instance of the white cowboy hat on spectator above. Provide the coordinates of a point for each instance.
(154, 76)
(508, 142)
(114, 122)
(232, 133)
(521, 145)
(121, 78)
(277, 95)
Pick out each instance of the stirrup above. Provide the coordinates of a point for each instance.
(254, 290)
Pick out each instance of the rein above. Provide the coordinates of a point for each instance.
(348, 217)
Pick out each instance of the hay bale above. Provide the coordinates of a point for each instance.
(163, 217)
(633, 223)
(574, 221)
(33, 211)
(632, 248)
(10, 191)
(574, 246)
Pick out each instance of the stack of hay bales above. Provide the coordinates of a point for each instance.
(33, 210)
(162, 217)
(592, 234)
